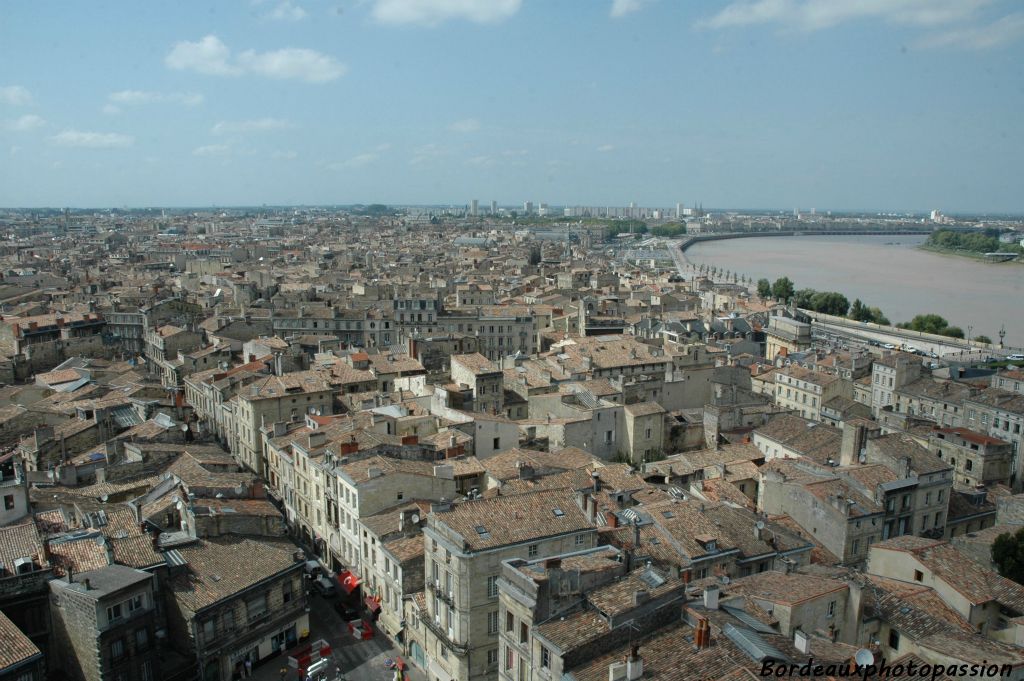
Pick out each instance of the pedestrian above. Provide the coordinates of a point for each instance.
(284, 673)
(248, 668)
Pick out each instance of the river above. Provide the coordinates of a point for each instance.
(889, 272)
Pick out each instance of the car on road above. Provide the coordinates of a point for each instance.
(324, 586)
(888, 346)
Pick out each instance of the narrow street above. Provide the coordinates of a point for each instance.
(357, 660)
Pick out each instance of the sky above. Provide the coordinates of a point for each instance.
(829, 104)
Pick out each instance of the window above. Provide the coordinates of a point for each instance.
(510, 622)
(492, 586)
(831, 608)
(209, 629)
(918, 575)
(286, 592)
(581, 540)
(497, 443)
(531, 550)
(492, 622)
(8, 502)
(545, 657)
(141, 639)
(509, 658)
(146, 671)
(256, 606)
(492, 657)
(968, 465)
(117, 649)
(894, 639)
(856, 546)
(114, 612)
(524, 632)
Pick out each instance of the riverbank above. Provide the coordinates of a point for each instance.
(980, 257)
(902, 279)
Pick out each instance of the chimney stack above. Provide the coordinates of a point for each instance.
(711, 597)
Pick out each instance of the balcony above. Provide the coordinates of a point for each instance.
(445, 596)
(442, 635)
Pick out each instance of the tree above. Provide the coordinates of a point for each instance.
(858, 311)
(926, 323)
(982, 339)
(783, 289)
(952, 332)
(877, 317)
(1008, 555)
(803, 298)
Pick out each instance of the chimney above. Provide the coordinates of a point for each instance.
(854, 436)
(611, 519)
(711, 597)
(636, 535)
(904, 467)
(374, 472)
(634, 664)
(640, 597)
(596, 479)
(86, 583)
(317, 438)
(801, 642)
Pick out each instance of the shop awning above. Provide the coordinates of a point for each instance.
(349, 581)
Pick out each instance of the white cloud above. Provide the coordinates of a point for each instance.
(465, 125)
(212, 57)
(812, 15)
(212, 150)
(293, 62)
(209, 55)
(621, 8)
(1001, 32)
(285, 155)
(111, 109)
(357, 161)
(480, 161)
(434, 12)
(92, 140)
(606, 147)
(26, 123)
(143, 97)
(286, 11)
(14, 95)
(257, 125)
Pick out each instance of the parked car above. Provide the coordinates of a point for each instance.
(347, 611)
(324, 587)
(1016, 358)
(888, 346)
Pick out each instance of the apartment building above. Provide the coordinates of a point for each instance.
(235, 599)
(889, 374)
(457, 624)
(806, 391)
(976, 459)
(1000, 414)
(270, 400)
(106, 625)
(484, 379)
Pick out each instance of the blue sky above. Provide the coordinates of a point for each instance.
(832, 104)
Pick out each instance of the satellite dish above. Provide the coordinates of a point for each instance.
(415, 518)
(864, 657)
(759, 524)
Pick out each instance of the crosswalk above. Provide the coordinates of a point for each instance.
(350, 657)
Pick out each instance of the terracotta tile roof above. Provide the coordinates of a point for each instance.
(21, 541)
(220, 568)
(500, 521)
(17, 648)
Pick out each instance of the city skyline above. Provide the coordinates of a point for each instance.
(897, 106)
